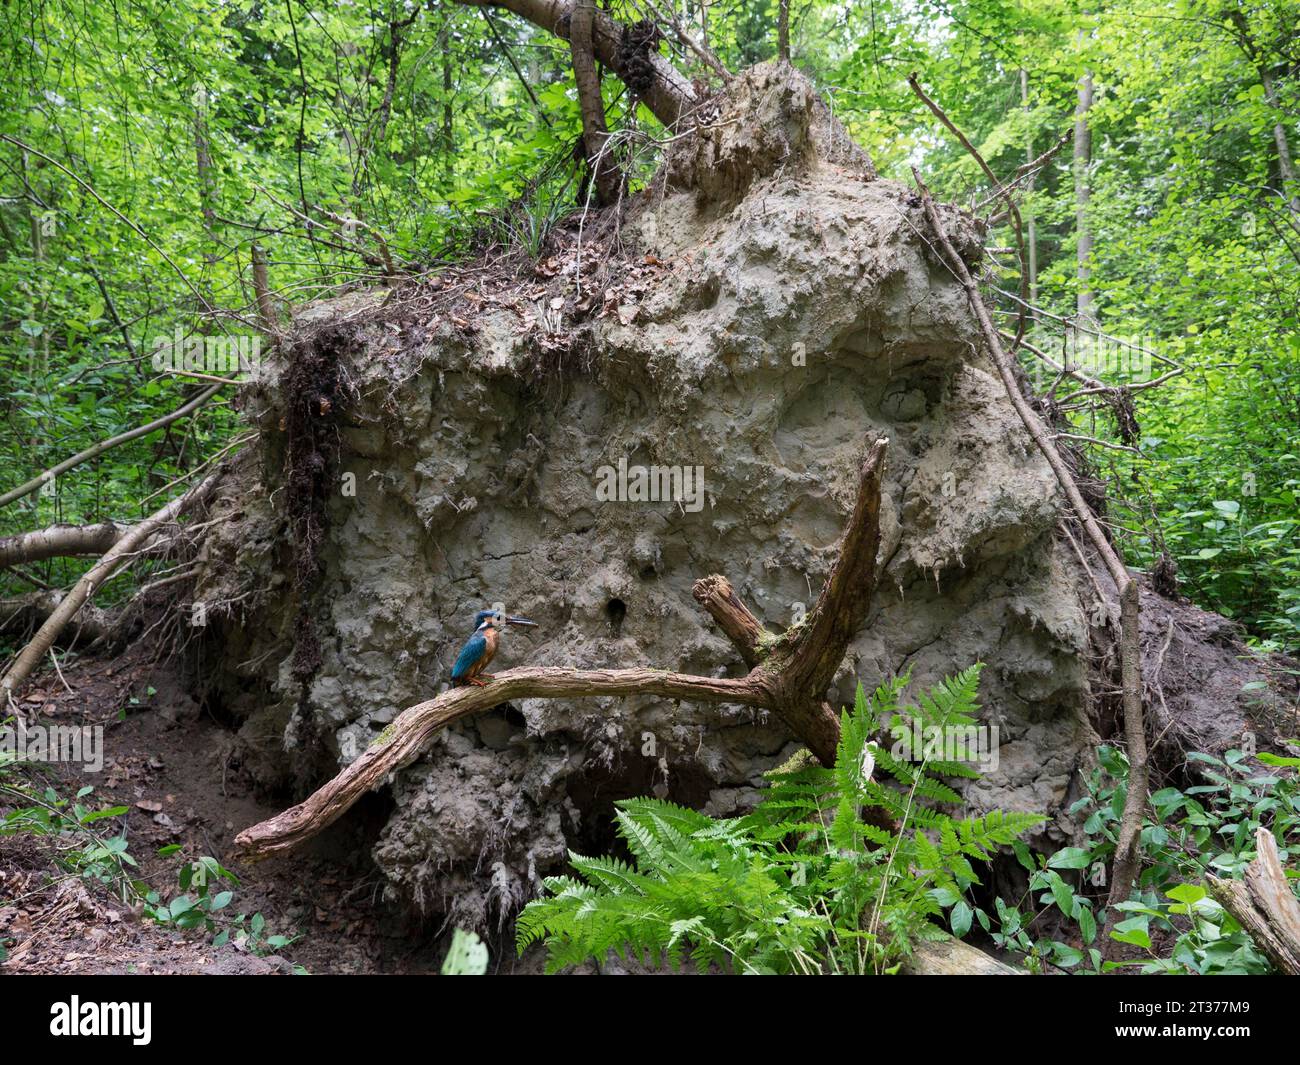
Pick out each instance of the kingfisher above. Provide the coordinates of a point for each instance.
(481, 646)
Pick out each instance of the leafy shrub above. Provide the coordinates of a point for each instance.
(1204, 830)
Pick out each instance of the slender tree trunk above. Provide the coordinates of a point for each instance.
(207, 193)
(376, 132)
(595, 136)
(38, 348)
(783, 31)
(448, 114)
(262, 291)
(1285, 164)
(1031, 225)
(1082, 194)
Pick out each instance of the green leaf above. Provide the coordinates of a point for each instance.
(1069, 858)
(1186, 893)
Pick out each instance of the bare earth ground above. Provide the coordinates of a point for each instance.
(169, 763)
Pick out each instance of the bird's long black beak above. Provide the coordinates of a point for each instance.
(512, 620)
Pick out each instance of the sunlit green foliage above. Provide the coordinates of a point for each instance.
(445, 129)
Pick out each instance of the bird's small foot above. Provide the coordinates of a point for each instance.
(477, 683)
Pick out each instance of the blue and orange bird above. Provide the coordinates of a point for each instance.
(481, 646)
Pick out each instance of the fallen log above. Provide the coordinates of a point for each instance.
(788, 675)
(24, 614)
(669, 94)
(123, 551)
(68, 541)
(952, 957)
(1264, 905)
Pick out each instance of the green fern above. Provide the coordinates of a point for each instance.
(806, 882)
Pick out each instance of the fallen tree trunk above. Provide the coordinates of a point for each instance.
(783, 680)
(1264, 905)
(124, 550)
(24, 614)
(669, 94)
(952, 957)
(68, 541)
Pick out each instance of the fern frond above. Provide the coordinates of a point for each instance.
(609, 873)
(952, 701)
(682, 818)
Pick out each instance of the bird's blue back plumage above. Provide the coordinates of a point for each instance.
(472, 651)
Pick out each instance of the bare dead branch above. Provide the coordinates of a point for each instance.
(1127, 858)
(404, 739)
(1264, 905)
(708, 57)
(125, 549)
(1013, 209)
(847, 593)
(105, 445)
(720, 601)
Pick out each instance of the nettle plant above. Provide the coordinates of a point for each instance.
(810, 881)
(1204, 830)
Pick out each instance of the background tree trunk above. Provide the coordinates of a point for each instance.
(605, 172)
(1082, 194)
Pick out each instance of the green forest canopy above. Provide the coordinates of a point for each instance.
(147, 146)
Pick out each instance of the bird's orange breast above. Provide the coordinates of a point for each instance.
(490, 638)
